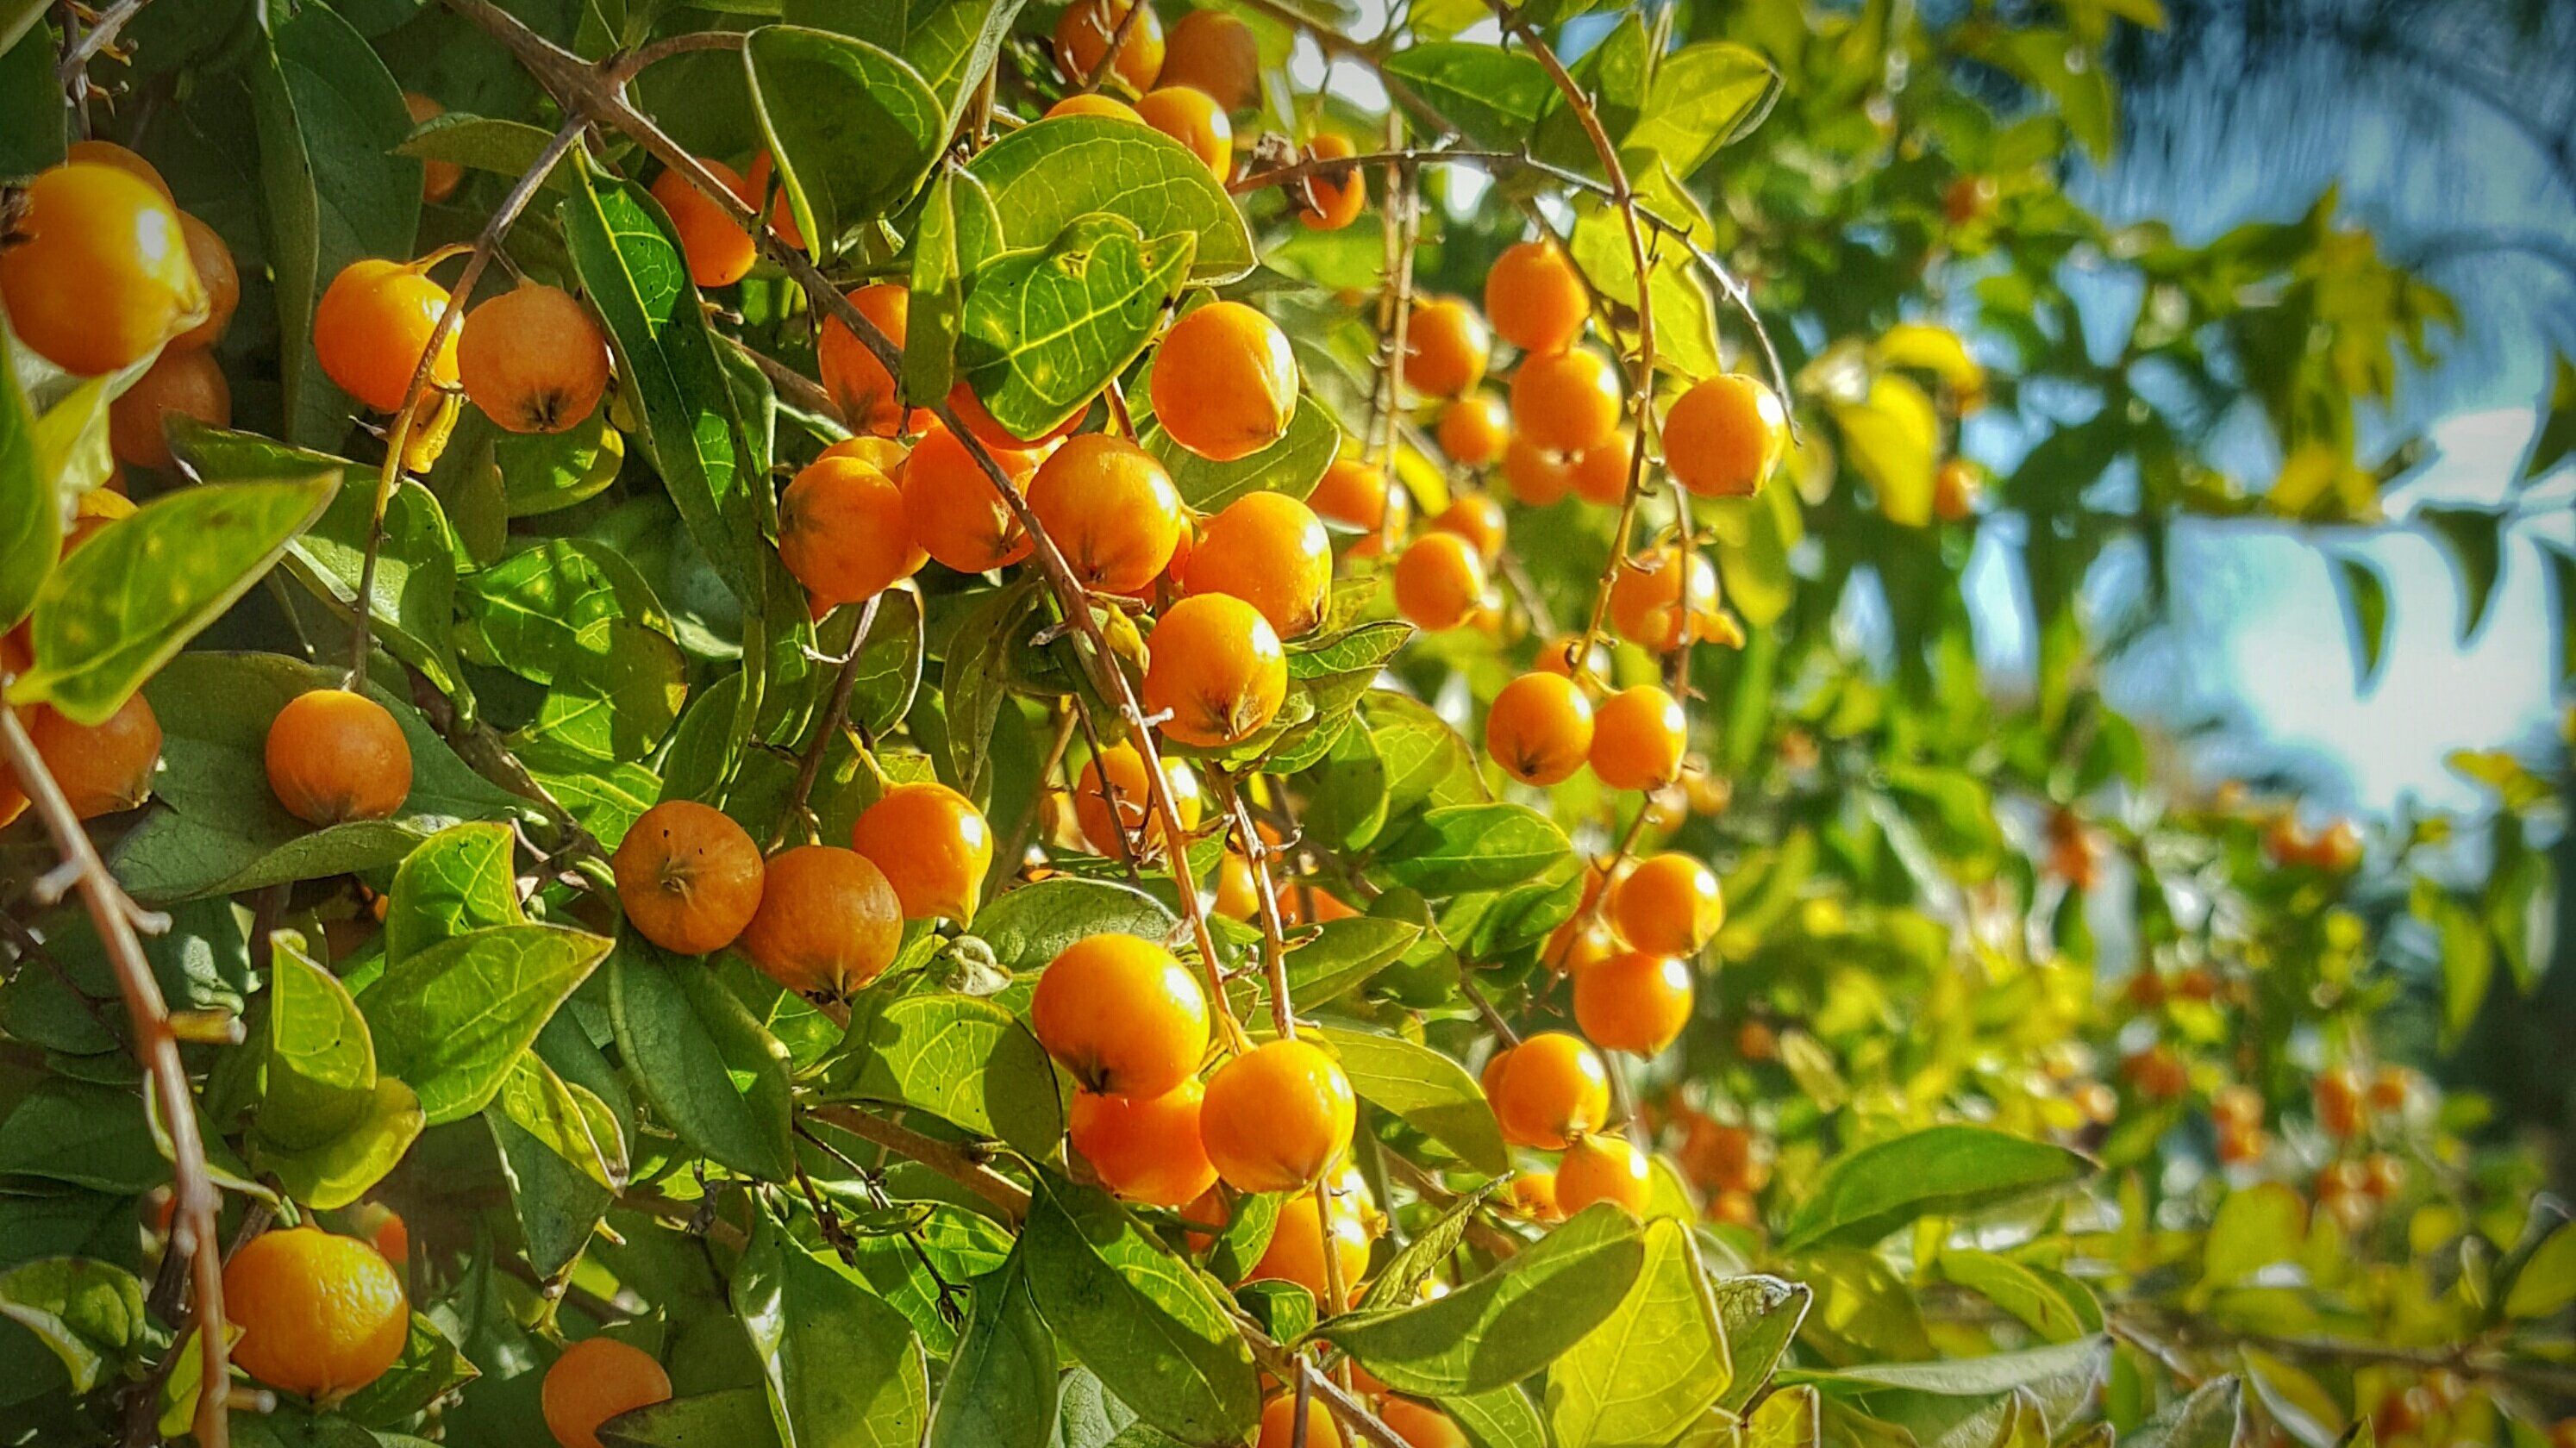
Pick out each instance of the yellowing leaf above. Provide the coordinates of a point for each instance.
(1893, 439)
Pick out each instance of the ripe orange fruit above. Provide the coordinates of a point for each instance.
(1083, 34)
(97, 274)
(1664, 599)
(102, 770)
(373, 323)
(1565, 401)
(828, 921)
(981, 426)
(1420, 1425)
(1534, 299)
(1214, 52)
(1532, 1193)
(109, 153)
(688, 876)
(755, 192)
(1551, 1089)
(385, 1231)
(334, 756)
(1638, 736)
(1093, 103)
(1602, 1168)
(1279, 1424)
(1351, 493)
(1439, 582)
(1537, 476)
(1477, 518)
(187, 383)
(859, 384)
(1445, 346)
(1217, 666)
(843, 531)
(1954, 490)
(1111, 510)
(1269, 550)
(593, 1381)
(2342, 1103)
(881, 453)
(1122, 1015)
(220, 278)
(1296, 1250)
(319, 1314)
(1276, 1116)
(1329, 202)
(951, 510)
(933, 846)
(1238, 896)
(532, 359)
(1635, 1001)
(1144, 1148)
(1539, 728)
(2392, 1090)
(1474, 429)
(1724, 436)
(1127, 804)
(438, 179)
(1669, 905)
(2156, 1072)
(1225, 381)
(719, 251)
(1557, 656)
(1193, 118)
(1601, 471)
(1578, 945)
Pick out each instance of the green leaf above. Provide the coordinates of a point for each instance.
(710, 1072)
(615, 696)
(454, 1018)
(1044, 329)
(1495, 97)
(1502, 1418)
(1044, 176)
(460, 880)
(935, 296)
(889, 663)
(1001, 1384)
(2061, 1376)
(727, 1418)
(1433, 1094)
(1029, 926)
(2054, 1307)
(117, 609)
(483, 143)
(545, 472)
(89, 1313)
(1892, 437)
(2254, 1228)
(1340, 957)
(559, 1205)
(2555, 438)
(2365, 601)
(1652, 1367)
(1455, 850)
(2474, 537)
(1761, 1316)
(1790, 1418)
(843, 1368)
(88, 1135)
(1702, 97)
(854, 128)
(429, 1369)
(1754, 539)
(967, 1061)
(31, 515)
(1140, 1318)
(1509, 1323)
(974, 684)
(2210, 1418)
(1423, 1254)
(319, 1075)
(332, 1174)
(570, 1121)
(1292, 465)
(2468, 961)
(2546, 1282)
(527, 612)
(1941, 1170)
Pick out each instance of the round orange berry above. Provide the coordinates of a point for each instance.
(1534, 299)
(533, 359)
(1565, 401)
(1214, 52)
(320, 1314)
(828, 921)
(1271, 551)
(1724, 436)
(1279, 1424)
(1351, 493)
(719, 252)
(1144, 1148)
(1538, 477)
(1634, 1001)
(1539, 728)
(859, 384)
(1122, 1015)
(217, 274)
(1216, 669)
(1445, 346)
(102, 769)
(183, 384)
(951, 509)
(1601, 471)
(688, 877)
(1439, 582)
(438, 179)
(1602, 1168)
(593, 1381)
(1334, 197)
(97, 272)
(1296, 1250)
(1111, 510)
(932, 845)
(1669, 904)
(1638, 736)
(1085, 31)
(1193, 118)
(1276, 1116)
(1092, 103)
(1475, 429)
(1112, 803)
(1551, 1089)
(334, 756)
(1664, 599)
(1477, 518)
(1225, 381)
(372, 325)
(843, 531)
(1420, 1425)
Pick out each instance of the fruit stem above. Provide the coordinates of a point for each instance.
(1274, 948)
(835, 714)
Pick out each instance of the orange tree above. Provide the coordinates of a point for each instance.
(962, 723)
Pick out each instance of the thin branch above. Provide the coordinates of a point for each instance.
(1117, 39)
(844, 683)
(1274, 950)
(950, 1161)
(73, 72)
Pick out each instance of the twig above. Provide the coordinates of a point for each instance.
(73, 72)
(1274, 950)
(806, 393)
(1117, 39)
(952, 1162)
(844, 684)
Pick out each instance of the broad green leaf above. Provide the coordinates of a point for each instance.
(2254, 1228)
(320, 1073)
(559, 1205)
(1432, 1093)
(31, 515)
(1761, 1316)
(2556, 436)
(973, 682)
(1044, 176)
(1044, 329)
(1337, 959)
(1754, 538)
(454, 1018)
(1649, 1369)
(2297, 1401)
(460, 880)
(1892, 438)
(2365, 601)
(854, 128)
(889, 663)
(526, 613)
(1941, 1170)
(1502, 1418)
(1478, 847)
(2468, 960)
(705, 1066)
(843, 1368)
(1422, 1255)
(2546, 1282)
(429, 1369)
(616, 694)
(1509, 1323)
(1702, 97)
(1496, 97)
(935, 293)
(2210, 1418)
(483, 143)
(1790, 1418)
(1292, 465)
(332, 1174)
(1425, 760)
(2054, 1307)
(726, 1418)
(1137, 1316)
(2474, 537)
(88, 1135)
(949, 43)
(965, 1060)
(569, 1120)
(545, 472)
(2062, 1377)
(1685, 307)
(89, 1313)
(1028, 926)
(117, 609)
(1001, 1384)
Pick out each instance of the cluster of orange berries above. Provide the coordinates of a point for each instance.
(2352, 1188)
(2334, 850)
(1728, 1163)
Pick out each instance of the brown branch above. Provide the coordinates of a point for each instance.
(1274, 949)
(1117, 39)
(72, 74)
(844, 683)
(807, 393)
(950, 1161)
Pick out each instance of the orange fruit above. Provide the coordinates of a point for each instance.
(1122, 1015)
(932, 845)
(319, 1314)
(2392, 1090)
(1272, 552)
(1551, 1089)
(1279, 1424)
(1954, 490)
(1193, 118)
(1557, 656)
(98, 272)
(334, 756)
(2342, 1103)
(1144, 1148)
(109, 153)
(371, 327)
(1238, 895)
(718, 250)
(1532, 1193)
(1664, 599)
(1083, 35)
(1111, 510)
(1537, 476)
(1329, 202)
(1539, 728)
(1445, 346)
(593, 1381)
(1225, 381)
(1534, 299)
(881, 453)
(858, 383)
(217, 274)
(1214, 52)
(1601, 471)
(843, 531)
(1724, 436)
(1217, 667)
(1476, 518)
(828, 921)
(385, 1231)
(1296, 1250)
(981, 426)
(1602, 1168)
(1474, 429)
(1638, 736)
(1351, 493)
(1668, 904)
(532, 359)
(1634, 1001)
(951, 509)
(1092, 103)
(1276, 1116)
(438, 179)
(189, 384)
(1566, 401)
(1112, 796)
(756, 193)
(688, 877)
(1439, 582)
(102, 769)
(1577, 945)
(1420, 1425)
